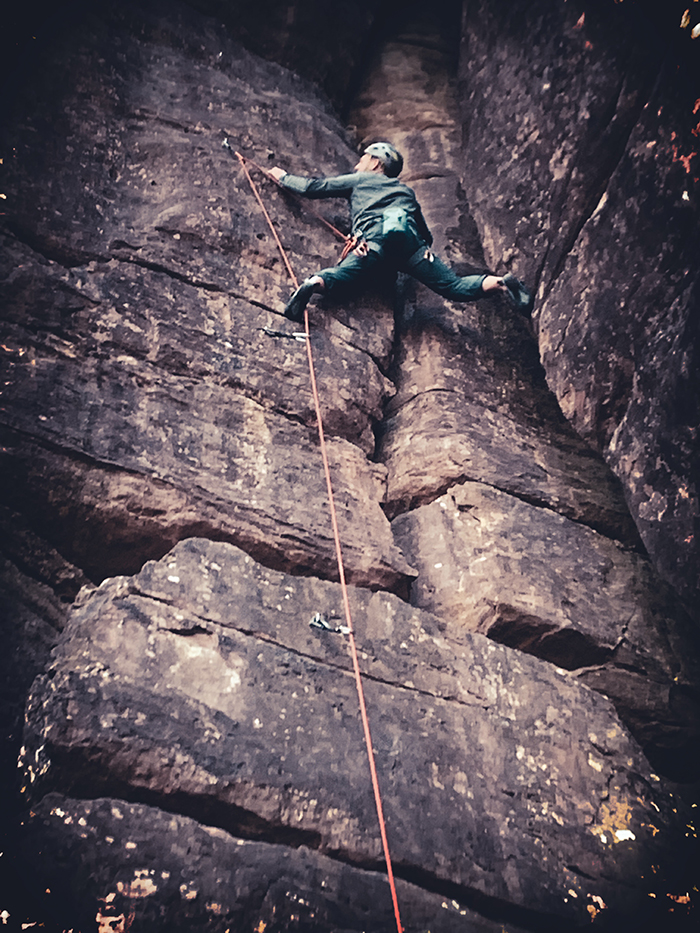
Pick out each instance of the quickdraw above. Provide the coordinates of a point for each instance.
(295, 335)
(319, 620)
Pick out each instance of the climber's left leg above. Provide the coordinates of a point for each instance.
(439, 277)
(429, 269)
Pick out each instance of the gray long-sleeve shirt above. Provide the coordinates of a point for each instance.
(370, 194)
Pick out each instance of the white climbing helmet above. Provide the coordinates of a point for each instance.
(389, 156)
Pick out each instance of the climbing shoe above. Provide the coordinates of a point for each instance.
(294, 309)
(518, 295)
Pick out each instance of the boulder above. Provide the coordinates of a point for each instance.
(198, 686)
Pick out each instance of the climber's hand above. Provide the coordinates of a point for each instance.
(277, 172)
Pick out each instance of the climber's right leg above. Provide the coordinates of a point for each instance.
(355, 270)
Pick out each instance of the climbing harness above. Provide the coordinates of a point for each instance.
(338, 550)
(355, 245)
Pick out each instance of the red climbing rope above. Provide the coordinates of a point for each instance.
(339, 558)
(349, 241)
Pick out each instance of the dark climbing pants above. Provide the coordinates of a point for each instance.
(356, 271)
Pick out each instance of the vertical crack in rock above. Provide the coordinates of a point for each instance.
(613, 357)
(619, 122)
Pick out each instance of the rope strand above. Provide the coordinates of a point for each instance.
(339, 559)
(334, 230)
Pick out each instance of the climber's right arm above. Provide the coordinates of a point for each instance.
(338, 186)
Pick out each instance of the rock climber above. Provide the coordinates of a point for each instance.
(388, 229)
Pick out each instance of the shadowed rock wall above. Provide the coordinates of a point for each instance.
(192, 755)
(581, 167)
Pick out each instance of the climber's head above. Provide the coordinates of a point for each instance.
(381, 157)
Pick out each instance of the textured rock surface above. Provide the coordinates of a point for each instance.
(290, 33)
(201, 878)
(159, 312)
(199, 686)
(642, 313)
(31, 618)
(36, 588)
(535, 580)
(461, 412)
(142, 405)
(595, 139)
(471, 401)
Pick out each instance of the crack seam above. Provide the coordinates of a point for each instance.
(269, 639)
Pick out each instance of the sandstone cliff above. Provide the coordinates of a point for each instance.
(516, 498)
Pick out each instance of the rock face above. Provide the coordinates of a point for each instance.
(202, 878)
(598, 141)
(152, 318)
(199, 686)
(537, 581)
(193, 756)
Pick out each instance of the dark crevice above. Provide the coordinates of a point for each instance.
(123, 548)
(390, 20)
(579, 871)
(122, 244)
(142, 115)
(70, 258)
(563, 647)
(188, 632)
(192, 282)
(430, 176)
(601, 526)
(78, 455)
(383, 19)
(84, 773)
(51, 249)
(171, 273)
(490, 907)
(381, 364)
